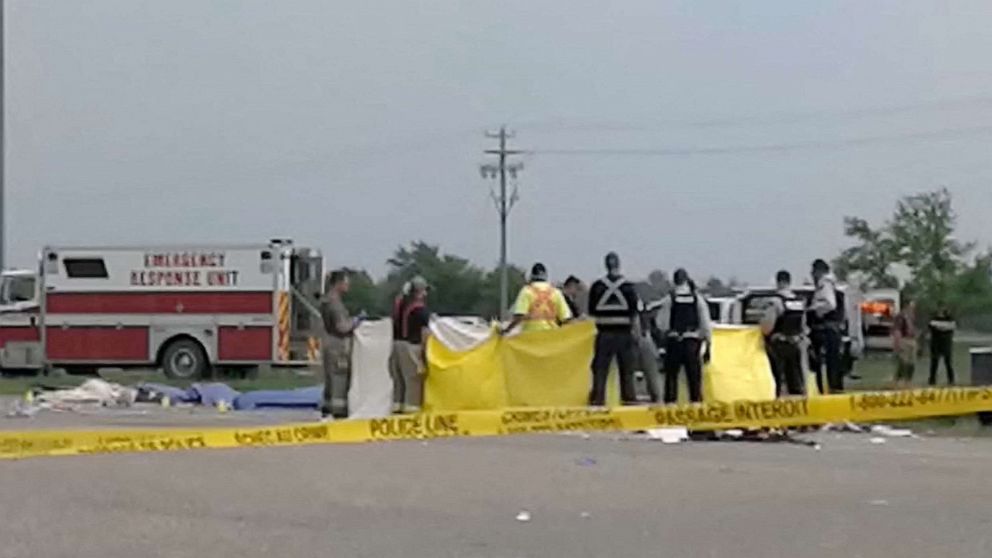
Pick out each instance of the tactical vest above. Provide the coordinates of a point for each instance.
(790, 322)
(612, 308)
(685, 313)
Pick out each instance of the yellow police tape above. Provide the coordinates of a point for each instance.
(856, 407)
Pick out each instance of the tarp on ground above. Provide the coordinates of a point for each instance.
(301, 398)
(553, 368)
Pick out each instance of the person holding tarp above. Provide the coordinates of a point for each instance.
(904, 345)
(398, 345)
(684, 319)
(410, 357)
(614, 305)
(540, 306)
(784, 327)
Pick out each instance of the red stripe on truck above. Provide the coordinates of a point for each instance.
(250, 343)
(97, 344)
(26, 333)
(160, 303)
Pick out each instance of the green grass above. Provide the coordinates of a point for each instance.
(878, 368)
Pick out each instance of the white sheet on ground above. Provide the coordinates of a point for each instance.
(371, 392)
(90, 392)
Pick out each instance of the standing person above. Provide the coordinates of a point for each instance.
(942, 327)
(823, 317)
(613, 304)
(904, 344)
(411, 354)
(784, 326)
(648, 356)
(394, 366)
(339, 329)
(570, 289)
(684, 320)
(539, 306)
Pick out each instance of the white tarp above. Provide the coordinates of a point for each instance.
(371, 392)
(460, 334)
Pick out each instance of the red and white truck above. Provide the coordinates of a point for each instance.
(186, 309)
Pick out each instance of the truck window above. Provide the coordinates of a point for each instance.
(17, 289)
(85, 268)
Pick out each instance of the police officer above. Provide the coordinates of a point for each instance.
(823, 317)
(613, 305)
(684, 320)
(942, 328)
(339, 329)
(784, 325)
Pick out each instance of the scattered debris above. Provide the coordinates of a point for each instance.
(817, 447)
(523, 516)
(885, 430)
(879, 502)
(668, 435)
(23, 410)
(585, 515)
(877, 441)
(586, 461)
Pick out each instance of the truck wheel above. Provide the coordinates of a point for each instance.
(184, 359)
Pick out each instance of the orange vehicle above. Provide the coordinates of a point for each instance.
(878, 311)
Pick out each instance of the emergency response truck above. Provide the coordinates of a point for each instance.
(186, 309)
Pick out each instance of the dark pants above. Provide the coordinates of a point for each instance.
(825, 350)
(941, 350)
(683, 353)
(786, 358)
(610, 344)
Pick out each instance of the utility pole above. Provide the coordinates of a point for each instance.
(503, 202)
(3, 134)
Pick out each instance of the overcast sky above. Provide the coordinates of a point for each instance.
(728, 137)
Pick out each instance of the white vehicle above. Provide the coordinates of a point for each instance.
(184, 308)
(878, 312)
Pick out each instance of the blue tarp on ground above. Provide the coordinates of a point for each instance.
(302, 398)
(212, 393)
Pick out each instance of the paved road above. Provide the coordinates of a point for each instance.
(906, 498)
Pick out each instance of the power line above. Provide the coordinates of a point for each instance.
(504, 202)
(653, 124)
(947, 133)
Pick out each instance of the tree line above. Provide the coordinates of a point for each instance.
(917, 252)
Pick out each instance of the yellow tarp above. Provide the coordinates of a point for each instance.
(739, 368)
(552, 368)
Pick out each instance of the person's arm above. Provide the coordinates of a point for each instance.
(824, 299)
(770, 317)
(562, 308)
(664, 318)
(520, 308)
(635, 304)
(897, 333)
(705, 323)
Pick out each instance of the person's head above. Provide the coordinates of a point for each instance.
(338, 282)
(571, 286)
(612, 261)
(538, 272)
(418, 288)
(820, 269)
(680, 277)
(783, 279)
